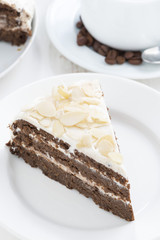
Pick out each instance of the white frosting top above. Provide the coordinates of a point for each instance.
(77, 114)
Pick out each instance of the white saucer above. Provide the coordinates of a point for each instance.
(33, 206)
(11, 55)
(61, 21)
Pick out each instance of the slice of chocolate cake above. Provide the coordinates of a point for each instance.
(69, 136)
(15, 20)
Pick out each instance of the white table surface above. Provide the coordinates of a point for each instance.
(42, 61)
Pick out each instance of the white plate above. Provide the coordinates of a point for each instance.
(35, 207)
(11, 55)
(61, 21)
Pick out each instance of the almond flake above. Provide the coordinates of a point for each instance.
(97, 125)
(72, 118)
(46, 122)
(110, 139)
(116, 157)
(98, 116)
(104, 147)
(36, 115)
(63, 92)
(98, 132)
(61, 104)
(55, 94)
(90, 101)
(46, 108)
(72, 108)
(77, 93)
(58, 129)
(88, 89)
(92, 89)
(74, 133)
(82, 125)
(85, 141)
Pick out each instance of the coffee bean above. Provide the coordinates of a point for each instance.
(101, 52)
(90, 40)
(96, 46)
(112, 54)
(135, 61)
(79, 24)
(120, 59)
(84, 31)
(105, 49)
(110, 61)
(137, 54)
(128, 55)
(80, 34)
(81, 41)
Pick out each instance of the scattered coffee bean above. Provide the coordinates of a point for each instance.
(137, 54)
(135, 61)
(81, 41)
(128, 55)
(84, 31)
(96, 46)
(110, 61)
(80, 34)
(101, 52)
(79, 24)
(112, 56)
(120, 59)
(105, 49)
(90, 40)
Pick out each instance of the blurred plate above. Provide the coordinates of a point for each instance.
(11, 55)
(61, 20)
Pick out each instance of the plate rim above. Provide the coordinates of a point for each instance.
(81, 63)
(31, 40)
(128, 80)
(138, 84)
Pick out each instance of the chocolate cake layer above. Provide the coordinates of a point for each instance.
(106, 202)
(16, 37)
(40, 144)
(7, 10)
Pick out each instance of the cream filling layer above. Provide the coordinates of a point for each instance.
(3, 21)
(78, 175)
(24, 19)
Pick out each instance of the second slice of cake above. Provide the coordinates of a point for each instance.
(69, 136)
(16, 18)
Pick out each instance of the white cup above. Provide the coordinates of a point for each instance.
(123, 24)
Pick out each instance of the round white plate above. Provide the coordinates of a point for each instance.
(11, 55)
(61, 20)
(35, 207)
